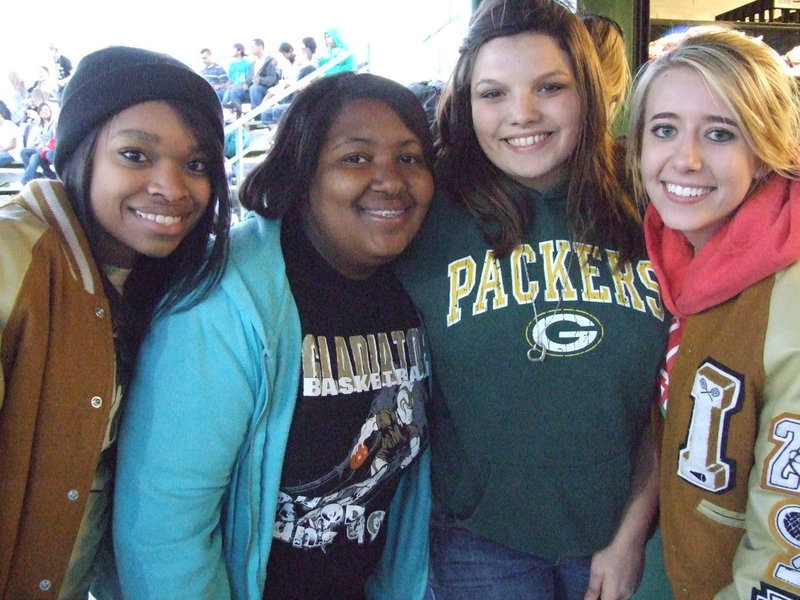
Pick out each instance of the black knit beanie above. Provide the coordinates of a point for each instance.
(108, 81)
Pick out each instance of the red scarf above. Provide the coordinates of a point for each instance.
(761, 238)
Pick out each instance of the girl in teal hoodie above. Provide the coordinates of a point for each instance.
(276, 441)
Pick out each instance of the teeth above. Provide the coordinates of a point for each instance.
(527, 141)
(160, 219)
(687, 192)
(385, 213)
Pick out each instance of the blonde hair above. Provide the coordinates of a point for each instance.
(610, 44)
(748, 77)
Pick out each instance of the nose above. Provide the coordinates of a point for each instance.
(388, 177)
(688, 155)
(525, 109)
(168, 180)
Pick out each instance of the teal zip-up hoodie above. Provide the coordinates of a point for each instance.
(202, 444)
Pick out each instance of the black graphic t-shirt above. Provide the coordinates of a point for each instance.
(359, 422)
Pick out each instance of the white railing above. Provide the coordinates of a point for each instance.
(236, 162)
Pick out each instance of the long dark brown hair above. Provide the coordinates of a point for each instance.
(600, 211)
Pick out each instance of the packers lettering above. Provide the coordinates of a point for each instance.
(477, 288)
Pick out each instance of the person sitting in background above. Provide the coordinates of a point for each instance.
(263, 74)
(213, 73)
(44, 82)
(273, 114)
(428, 93)
(237, 76)
(30, 123)
(288, 61)
(231, 112)
(608, 40)
(35, 99)
(10, 138)
(310, 43)
(63, 70)
(40, 156)
(19, 97)
(335, 48)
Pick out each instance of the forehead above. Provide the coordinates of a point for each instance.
(684, 89)
(153, 116)
(367, 119)
(525, 53)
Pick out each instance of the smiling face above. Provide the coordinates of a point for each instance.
(370, 191)
(696, 166)
(150, 183)
(525, 108)
(45, 112)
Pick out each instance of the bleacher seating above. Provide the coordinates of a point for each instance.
(10, 176)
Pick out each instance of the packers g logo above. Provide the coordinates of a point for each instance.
(565, 332)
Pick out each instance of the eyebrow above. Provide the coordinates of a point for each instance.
(711, 118)
(548, 75)
(372, 141)
(145, 136)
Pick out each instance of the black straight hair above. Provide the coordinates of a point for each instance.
(190, 272)
(283, 179)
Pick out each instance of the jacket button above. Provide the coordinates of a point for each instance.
(99, 312)
(72, 495)
(97, 401)
(45, 585)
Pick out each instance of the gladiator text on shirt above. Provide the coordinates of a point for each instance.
(362, 362)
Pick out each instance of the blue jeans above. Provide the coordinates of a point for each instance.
(273, 114)
(466, 566)
(257, 95)
(235, 94)
(33, 162)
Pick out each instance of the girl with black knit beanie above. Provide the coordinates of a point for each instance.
(136, 224)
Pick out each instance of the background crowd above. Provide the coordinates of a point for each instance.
(473, 355)
(252, 74)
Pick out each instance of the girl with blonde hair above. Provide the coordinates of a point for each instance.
(713, 145)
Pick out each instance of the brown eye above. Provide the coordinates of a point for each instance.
(197, 166)
(136, 156)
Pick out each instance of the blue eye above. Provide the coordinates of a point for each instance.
(663, 131)
(720, 135)
(551, 88)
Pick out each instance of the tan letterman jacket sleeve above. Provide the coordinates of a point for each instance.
(57, 354)
(767, 560)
